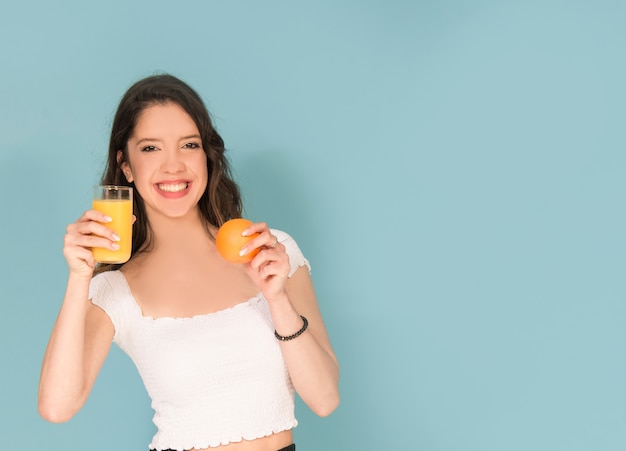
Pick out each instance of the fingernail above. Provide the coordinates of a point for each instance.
(243, 252)
(244, 233)
(116, 237)
(115, 246)
(108, 219)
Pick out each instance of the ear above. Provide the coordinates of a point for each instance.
(124, 166)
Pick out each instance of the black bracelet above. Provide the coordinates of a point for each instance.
(296, 335)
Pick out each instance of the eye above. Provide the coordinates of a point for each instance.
(192, 145)
(148, 149)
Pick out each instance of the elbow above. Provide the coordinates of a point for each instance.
(56, 405)
(328, 405)
(52, 412)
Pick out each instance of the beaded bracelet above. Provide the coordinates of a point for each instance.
(296, 335)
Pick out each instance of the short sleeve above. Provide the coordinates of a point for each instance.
(296, 258)
(104, 291)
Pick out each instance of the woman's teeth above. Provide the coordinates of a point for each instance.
(173, 188)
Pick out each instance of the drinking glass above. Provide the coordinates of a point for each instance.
(117, 203)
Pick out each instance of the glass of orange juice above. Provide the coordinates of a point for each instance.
(117, 203)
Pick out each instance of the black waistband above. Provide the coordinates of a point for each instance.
(291, 447)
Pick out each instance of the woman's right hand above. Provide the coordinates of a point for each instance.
(87, 232)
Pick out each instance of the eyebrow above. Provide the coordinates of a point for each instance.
(184, 138)
(194, 136)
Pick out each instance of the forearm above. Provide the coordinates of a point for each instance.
(313, 368)
(62, 379)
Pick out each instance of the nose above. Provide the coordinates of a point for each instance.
(172, 161)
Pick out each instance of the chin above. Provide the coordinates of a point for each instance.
(179, 214)
(172, 212)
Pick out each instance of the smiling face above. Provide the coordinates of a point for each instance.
(166, 161)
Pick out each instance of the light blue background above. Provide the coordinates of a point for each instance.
(454, 170)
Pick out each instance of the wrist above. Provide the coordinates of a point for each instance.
(80, 277)
(77, 283)
(285, 317)
(305, 325)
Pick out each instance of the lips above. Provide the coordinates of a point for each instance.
(173, 189)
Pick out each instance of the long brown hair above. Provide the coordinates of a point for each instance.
(220, 201)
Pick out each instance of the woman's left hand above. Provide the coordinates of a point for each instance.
(269, 269)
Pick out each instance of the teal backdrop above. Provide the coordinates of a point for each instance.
(454, 171)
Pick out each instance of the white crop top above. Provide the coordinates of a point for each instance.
(213, 379)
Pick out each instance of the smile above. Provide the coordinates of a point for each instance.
(173, 188)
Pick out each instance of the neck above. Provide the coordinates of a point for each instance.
(177, 232)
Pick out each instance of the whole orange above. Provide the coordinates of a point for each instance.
(229, 240)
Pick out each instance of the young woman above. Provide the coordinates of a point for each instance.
(221, 347)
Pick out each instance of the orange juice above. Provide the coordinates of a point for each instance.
(121, 210)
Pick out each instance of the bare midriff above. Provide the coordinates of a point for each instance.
(272, 442)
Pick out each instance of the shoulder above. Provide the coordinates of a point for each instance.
(109, 291)
(104, 285)
(296, 257)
